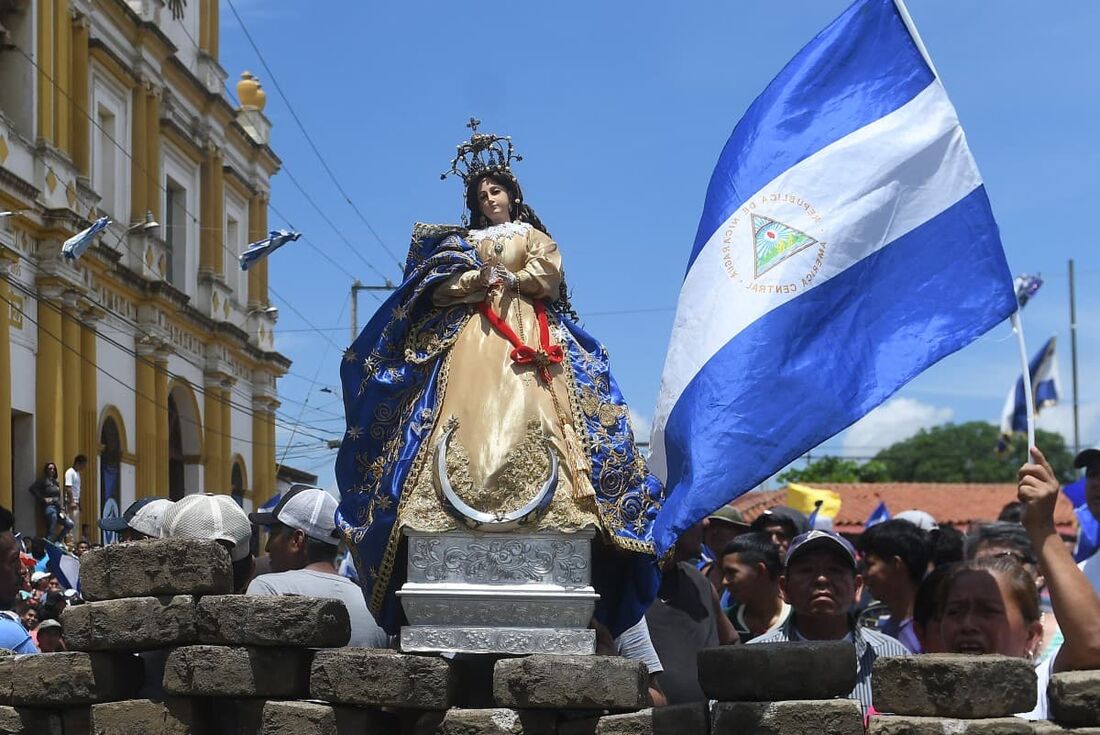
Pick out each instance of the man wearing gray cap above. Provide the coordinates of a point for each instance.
(302, 543)
(1089, 460)
(821, 584)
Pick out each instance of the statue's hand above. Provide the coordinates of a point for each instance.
(489, 276)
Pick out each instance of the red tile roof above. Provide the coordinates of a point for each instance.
(959, 504)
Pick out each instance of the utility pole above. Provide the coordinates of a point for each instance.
(1073, 353)
(356, 287)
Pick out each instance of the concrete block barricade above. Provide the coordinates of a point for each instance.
(68, 679)
(805, 717)
(171, 566)
(304, 622)
(317, 718)
(145, 717)
(381, 678)
(778, 671)
(954, 686)
(1075, 698)
(27, 721)
(497, 721)
(676, 719)
(132, 624)
(218, 671)
(904, 725)
(570, 682)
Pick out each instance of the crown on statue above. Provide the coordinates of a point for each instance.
(482, 153)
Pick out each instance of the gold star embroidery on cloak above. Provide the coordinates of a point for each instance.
(350, 356)
(354, 432)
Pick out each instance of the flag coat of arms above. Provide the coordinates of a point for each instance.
(846, 244)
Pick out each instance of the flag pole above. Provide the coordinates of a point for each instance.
(1029, 397)
(912, 28)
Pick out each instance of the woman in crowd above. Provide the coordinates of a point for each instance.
(991, 605)
(47, 489)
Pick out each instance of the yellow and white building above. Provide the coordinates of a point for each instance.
(153, 354)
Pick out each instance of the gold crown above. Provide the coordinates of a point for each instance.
(482, 153)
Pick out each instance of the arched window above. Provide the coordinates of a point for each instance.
(110, 468)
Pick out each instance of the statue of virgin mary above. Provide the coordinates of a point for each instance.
(475, 386)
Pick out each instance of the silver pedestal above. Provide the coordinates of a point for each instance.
(516, 593)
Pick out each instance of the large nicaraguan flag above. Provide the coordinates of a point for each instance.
(846, 244)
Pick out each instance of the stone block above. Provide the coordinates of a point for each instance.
(305, 622)
(778, 671)
(68, 679)
(25, 721)
(906, 725)
(497, 721)
(145, 717)
(676, 719)
(570, 682)
(1075, 698)
(216, 671)
(171, 566)
(805, 717)
(315, 718)
(132, 624)
(953, 685)
(381, 678)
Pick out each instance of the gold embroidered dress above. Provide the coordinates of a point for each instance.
(498, 458)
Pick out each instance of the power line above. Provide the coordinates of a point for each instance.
(306, 135)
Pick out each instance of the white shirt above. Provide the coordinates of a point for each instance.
(72, 481)
(1091, 568)
(1043, 671)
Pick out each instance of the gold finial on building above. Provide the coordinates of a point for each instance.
(250, 92)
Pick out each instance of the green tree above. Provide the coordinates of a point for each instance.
(967, 453)
(838, 469)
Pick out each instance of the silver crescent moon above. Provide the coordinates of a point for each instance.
(491, 522)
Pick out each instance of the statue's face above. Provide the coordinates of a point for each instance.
(494, 202)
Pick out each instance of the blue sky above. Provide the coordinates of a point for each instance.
(620, 111)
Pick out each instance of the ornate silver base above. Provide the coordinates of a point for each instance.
(470, 592)
(430, 638)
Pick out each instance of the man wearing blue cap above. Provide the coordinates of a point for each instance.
(821, 584)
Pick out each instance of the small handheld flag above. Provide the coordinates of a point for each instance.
(846, 244)
(1026, 287)
(263, 248)
(75, 246)
(1045, 386)
(879, 515)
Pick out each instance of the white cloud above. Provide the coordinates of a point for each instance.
(1059, 419)
(642, 426)
(892, 422)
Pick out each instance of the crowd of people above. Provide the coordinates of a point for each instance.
(906, 586)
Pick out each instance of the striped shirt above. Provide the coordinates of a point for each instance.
(870, 645)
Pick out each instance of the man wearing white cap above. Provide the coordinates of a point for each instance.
(142, 520)
(214, 518)
(302, 543)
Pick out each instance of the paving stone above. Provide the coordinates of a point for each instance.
(240, 620)
(216, 671)
(1075, 698)
(381, 678)
(145, 717)
(676, 719)
(778, 671)
(906, 725)
(68, 679)
(570, 682)
(171, 566)
(316, 718)
(26, 721)
(805, 717)
(132, 624)
(953, 685)
(497, 721)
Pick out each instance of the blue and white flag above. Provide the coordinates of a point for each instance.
(1045, 387)
(846, 244)
(880, 514)
(63, 565)
(75, 246)
(263, 248)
